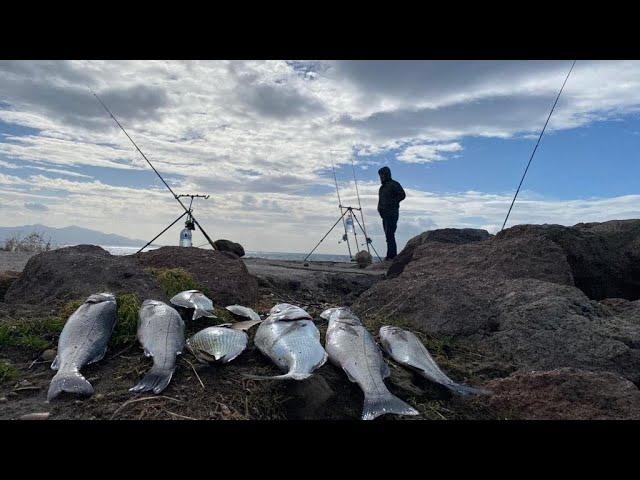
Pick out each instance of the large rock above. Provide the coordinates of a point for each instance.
(73, 273)
(604, 257)
(223, 245)
(443, 235)
(222, 274)
(563, 394)
(515, 295)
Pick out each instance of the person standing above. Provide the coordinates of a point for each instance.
(390, 195)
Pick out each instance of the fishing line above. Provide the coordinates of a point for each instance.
(346, 235)
(364, 228)
(187, 210)
(537, 143)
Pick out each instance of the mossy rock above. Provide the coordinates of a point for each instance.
(173, 280)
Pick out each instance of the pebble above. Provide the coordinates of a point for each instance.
(35, 416)
(3, 399)
(49, 355)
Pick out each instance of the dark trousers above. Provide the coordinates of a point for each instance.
(389, 224)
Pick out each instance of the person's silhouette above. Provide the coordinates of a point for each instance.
(390, 195)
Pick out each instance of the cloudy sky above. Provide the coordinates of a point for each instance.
(260, 137)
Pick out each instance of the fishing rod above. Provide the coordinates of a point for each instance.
(364, 229)
(537, 143)
(346, 235)
(177, 197)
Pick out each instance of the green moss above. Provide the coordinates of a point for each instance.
(7, 371)
(33, 334)
(68, 308)
(173, 280)
(32, 342)
(127, 324)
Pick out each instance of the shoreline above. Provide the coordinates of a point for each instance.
(16, 261)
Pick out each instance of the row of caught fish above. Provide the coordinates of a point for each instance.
(86, 333)
(287, 336)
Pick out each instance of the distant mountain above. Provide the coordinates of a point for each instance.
(71, 236)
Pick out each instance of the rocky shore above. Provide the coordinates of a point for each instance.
(547, 317)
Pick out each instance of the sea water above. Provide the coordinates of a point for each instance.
(316, 257)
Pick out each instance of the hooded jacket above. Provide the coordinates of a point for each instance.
(390, 194)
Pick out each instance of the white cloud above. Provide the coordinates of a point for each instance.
(428, 152)
(260, 137)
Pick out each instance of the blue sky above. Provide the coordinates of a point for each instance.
(596, 160)
(259, 137)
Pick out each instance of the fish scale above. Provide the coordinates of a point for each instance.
(221, 343)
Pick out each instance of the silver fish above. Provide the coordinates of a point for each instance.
(202, 305)
(293, 345)
(327, 313)
(244, 312)
(161, 333)
(407, 349)
(351, 347)
(287, 312)
(218, 343)
(83, 340)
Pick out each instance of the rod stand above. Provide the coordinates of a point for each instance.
(347, 209)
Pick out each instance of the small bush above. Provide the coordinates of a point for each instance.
(34, 242)
(127, 324)
(173, 280)
(7, 371)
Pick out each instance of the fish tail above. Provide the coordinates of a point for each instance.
(376, 405)
(69, 381)
(465, 390)
(155, 380)
(286, 376)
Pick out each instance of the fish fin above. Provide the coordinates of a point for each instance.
(197, 313)
(98, 357)
(72, 382)
(465, 390)
(385, 370)
(56, 363)
(155, 380)
(244, 325)
(228, 358)
(376, 405)
(349, 376)
(286, 376)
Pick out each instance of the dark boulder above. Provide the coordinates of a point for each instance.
(73, 273)
(221, 274)
(604, 257)
(515, 295)
(363, 259)
(229, 246)
(563, 394)
(443, 235)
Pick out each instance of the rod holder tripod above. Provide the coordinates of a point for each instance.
(189, 223)
(351, 211)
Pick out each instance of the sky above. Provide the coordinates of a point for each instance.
(260, 138)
